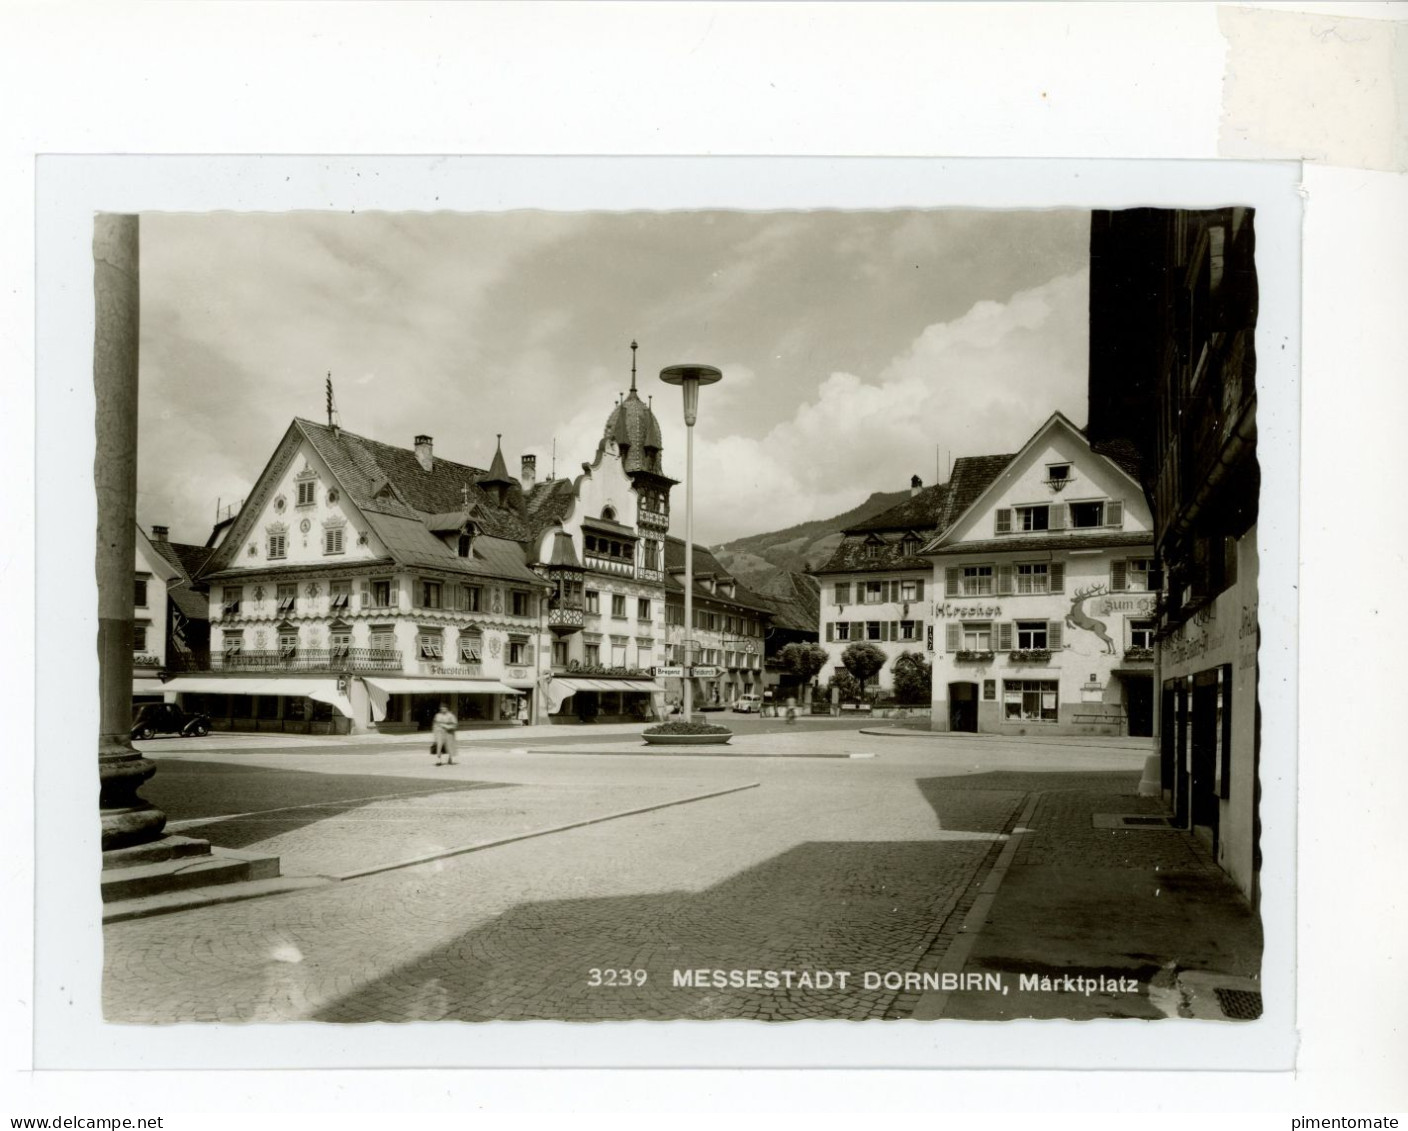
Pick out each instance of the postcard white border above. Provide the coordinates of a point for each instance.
(69, 1032)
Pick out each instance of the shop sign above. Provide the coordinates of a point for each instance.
(1130, 606)
(972, 612)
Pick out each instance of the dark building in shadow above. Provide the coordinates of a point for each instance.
(1173, 308)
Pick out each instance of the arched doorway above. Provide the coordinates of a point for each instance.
(963, 706)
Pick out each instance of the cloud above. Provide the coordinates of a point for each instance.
(979, 384)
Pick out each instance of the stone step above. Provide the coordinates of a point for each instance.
(165, 903)
(167, 848)
(221, 866)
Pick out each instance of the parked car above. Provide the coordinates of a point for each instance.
(748, 704)
(167, 718)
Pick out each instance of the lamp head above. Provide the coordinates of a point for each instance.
(690, 377)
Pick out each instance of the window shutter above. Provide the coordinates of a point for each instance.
(894, 630)
(830, 632)
(1114, 513)
(1056, 576)
(951, 581)
(1002, 520)
(1053, 635)
(1004, 636)
(953, 641)
(1056, 517)
(366, 594)
(1119, 580)
(919, 590)
(1004, 578)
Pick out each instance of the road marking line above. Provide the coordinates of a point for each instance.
(192, 822)
(460, 851)
(931, 1005)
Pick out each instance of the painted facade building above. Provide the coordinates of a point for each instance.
(1042, 600)
(730, 624)
(362, 584)
(876, 587)
(152, 575)
(605, 555)
(1173, 376)
(170, 617)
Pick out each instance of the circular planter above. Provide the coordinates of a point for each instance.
(687, 739)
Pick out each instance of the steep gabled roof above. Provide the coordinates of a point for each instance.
(187, 559)
(705, 564)
(364, 466)
(402, 502)
(986, 470)
(922, 511)
(926, 514)
(547, 503)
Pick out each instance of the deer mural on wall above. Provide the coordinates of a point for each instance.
(1077, 617)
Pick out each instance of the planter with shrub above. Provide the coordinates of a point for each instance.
(686, 734)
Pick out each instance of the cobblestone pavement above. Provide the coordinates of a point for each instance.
(832, 865)
(1082, 901)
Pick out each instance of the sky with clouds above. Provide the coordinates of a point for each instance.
(855, 346)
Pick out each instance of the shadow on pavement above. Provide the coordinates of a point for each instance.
(190, 790)
(821, 906)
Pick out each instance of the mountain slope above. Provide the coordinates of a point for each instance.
(756, 559)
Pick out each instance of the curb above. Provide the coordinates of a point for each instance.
(932, 1004)
(718, 751)
(906, 732)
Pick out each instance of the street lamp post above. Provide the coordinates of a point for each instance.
(689, 377)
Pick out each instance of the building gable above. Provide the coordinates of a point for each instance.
(298, 514)
(1055, 483)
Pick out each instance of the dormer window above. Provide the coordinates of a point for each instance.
(466, 539)
(909, 546)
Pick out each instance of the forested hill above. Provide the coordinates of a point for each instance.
(754, 560)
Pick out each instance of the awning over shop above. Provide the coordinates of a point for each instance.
(400, 685)
(584, 683)
(323, 690)
(379, 689)
(145, 685)
(565, 687)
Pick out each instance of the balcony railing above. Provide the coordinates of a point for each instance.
(290, 660)
(1139, 654)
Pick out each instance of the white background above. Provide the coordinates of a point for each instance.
(1049, 80)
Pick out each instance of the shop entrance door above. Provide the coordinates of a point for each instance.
(963, 707)
(1139, 704)
(1204, 727)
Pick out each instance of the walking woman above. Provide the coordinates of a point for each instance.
(444, 744)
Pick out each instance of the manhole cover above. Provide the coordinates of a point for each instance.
(1239, 1005)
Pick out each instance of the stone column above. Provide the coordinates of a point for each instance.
(126, 818)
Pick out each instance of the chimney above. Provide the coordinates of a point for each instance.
(528, 475)
(915, 485)
(425, 455)
(159, 533)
